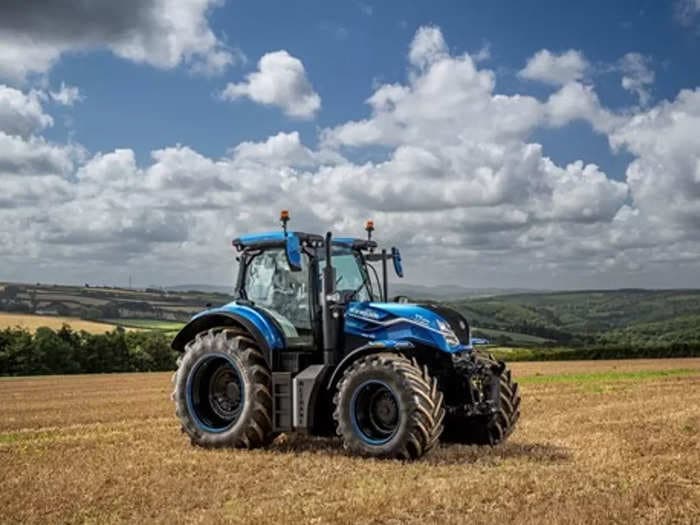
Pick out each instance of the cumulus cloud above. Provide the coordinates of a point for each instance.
(161, 33)
(664, 178)
(428, 46)
(576, 101)
(279, 81)
(458, 175)
(555, 69)
(21, 114)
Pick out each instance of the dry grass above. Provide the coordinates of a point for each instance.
(32, 322)
(107, 449)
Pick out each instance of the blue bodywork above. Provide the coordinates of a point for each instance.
(260, 238)
(386, 325)
(272, 336)
(395, 322)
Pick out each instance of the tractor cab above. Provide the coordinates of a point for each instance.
(281, 274)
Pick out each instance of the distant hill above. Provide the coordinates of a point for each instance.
(600, 318)
(443, 292)
(206, 288)
(414, 291)
(634, 316)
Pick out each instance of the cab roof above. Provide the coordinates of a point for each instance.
(277, 238)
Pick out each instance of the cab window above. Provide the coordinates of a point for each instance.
(270, 284)
(349, 275)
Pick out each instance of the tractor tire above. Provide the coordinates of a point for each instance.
(222, 391)
(388, 406)
(485, 430)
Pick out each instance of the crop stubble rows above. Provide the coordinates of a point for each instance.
(107, 448)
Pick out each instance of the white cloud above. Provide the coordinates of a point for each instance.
(66, 95)
(162, 33)
(283, 149)
(664, 178)
(279, 81)
(483, 54)
(637, 76)
(555, 69)
(428, 47)
(576, 101)
(21, 114)
(460, 177)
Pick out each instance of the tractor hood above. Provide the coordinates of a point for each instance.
(420, 323)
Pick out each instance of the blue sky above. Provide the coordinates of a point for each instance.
(348, 46)
(163, 98)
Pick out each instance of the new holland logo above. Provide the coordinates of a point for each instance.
(421, 320)
(366, 313)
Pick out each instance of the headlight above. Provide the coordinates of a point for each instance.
(448, 333)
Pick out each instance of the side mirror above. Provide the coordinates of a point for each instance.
(396, 257)
(401, 299)
(293, 252)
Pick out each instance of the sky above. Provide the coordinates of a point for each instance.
(530, 144)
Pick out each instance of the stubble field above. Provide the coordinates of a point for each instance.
(598, 442)
(31, 322)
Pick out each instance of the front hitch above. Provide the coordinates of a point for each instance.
(481, 385)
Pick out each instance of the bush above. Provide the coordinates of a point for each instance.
(66, 351)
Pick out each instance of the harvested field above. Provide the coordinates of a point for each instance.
(614, 442)
(32, 322)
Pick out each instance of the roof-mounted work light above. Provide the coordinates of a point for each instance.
(284, 219)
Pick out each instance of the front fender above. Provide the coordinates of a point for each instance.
(387, 345)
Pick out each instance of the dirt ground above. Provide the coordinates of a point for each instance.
(598, 442)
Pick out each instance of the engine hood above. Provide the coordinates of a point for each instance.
(423, 321)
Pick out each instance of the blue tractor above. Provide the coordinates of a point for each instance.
(313, 344)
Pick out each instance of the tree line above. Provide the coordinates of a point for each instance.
(66, 351)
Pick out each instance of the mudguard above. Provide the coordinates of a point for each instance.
(263, 329)
(388, 345)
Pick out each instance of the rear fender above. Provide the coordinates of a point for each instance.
(250, 320)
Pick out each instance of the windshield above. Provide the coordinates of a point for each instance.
(350, 276)
(270, 284)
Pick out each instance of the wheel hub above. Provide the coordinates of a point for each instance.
(384, 410)
(375, 412)
(216, 395)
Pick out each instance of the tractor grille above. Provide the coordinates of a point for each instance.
(457, 322)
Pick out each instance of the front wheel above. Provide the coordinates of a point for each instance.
(222, 391)
(388, 406)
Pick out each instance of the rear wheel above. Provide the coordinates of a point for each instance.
(388, 406)
(222, 391)
(492, 429)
